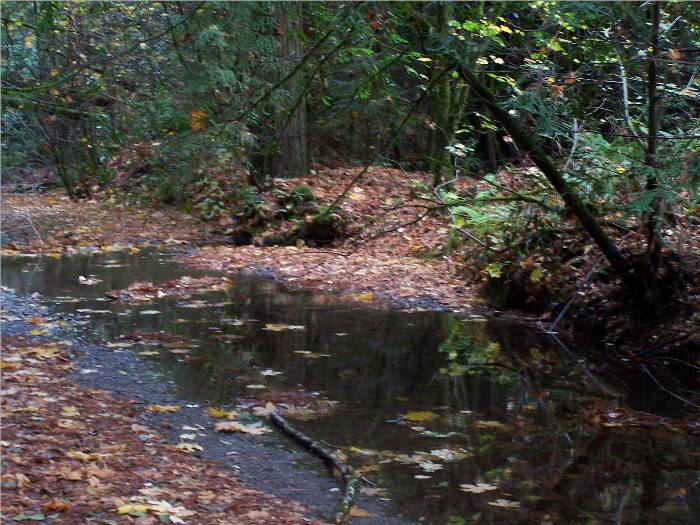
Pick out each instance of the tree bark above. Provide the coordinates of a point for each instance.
(292, 159)
(654, 243)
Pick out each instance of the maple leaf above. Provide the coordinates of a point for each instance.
(232, 426)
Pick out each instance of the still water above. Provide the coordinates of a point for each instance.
(475, 421)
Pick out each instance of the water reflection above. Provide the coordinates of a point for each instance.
(459, 422)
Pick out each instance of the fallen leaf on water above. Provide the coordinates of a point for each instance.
(419, 417)
(274, 327)
(163, 408)
(421, 476)
(119, 345)
(506, 504)
(357, 512)
(149, 312)
(220, 412)
(372, 491)
(88, 280)
(367, 297)
(188, 447)
(491, 424)
(231, 426)
(477, 488)
(270, 372)
(429, 466)
(256, 387)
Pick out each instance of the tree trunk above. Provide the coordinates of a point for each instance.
(442, 107)
(654, 217)
(525, 142)
(292, 159)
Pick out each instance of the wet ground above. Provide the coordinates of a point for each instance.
(458, 421)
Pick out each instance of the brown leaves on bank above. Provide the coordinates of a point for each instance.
(74, 455)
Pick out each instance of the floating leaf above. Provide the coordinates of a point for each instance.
(232, 426)
(274, 327)
(270, 372)
(357, 512)
(477, 488)
(429, 466)
(419, 417)
(506, 504)
(220, 412)
(189, 447)
(163, 408)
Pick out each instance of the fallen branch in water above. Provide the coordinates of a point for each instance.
(349, 476)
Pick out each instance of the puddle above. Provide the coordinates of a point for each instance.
(451, 418)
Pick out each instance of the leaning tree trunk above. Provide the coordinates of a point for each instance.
(525, 142)
(292, 159)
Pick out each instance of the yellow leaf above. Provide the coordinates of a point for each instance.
(70, 411)
(424, 59)
(419, 417)
(367, 297)
(128, 509)
(197, 120)
(53, 72)
(220, 412)
(188, 447)
(163, 408)
(29, 41)
(357, 512)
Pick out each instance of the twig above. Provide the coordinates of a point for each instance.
(626, 105)
(573, 146)
(668, 342)
(662, 387)
(36, 232)
(348, 474)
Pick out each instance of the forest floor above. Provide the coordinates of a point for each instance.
(397, 256)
